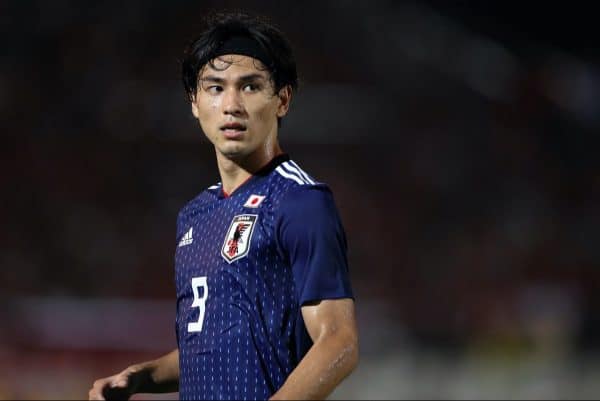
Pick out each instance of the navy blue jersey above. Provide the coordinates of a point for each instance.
(244, 266)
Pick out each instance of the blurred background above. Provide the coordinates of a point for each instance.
(458, 138)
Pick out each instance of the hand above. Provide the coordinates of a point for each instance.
(120, 386)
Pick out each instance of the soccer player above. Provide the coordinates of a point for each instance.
(265, 308)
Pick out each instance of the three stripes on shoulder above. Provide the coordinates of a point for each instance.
(289, 169)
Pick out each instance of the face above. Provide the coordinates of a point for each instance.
(237, 106)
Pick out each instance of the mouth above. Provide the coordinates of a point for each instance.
(233, 130)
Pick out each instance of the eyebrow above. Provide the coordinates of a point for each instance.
(243, 78)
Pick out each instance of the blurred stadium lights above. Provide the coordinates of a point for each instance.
(423, 36)
(574, 86)
(483, 64)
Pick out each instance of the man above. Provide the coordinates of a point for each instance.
(264, 304)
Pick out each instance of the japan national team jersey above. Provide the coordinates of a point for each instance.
(245, 264)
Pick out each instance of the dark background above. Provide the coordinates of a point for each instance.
(458, 138)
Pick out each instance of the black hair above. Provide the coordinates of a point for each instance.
(223, 26)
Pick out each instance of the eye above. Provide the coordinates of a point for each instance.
(214, 89)
(250, 88)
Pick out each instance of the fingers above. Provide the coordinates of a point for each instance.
(96, 391)
(120, 380)
(113, 387)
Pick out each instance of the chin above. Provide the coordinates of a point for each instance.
(234, 152)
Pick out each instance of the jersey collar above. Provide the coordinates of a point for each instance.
(270, 166)
(262, 172)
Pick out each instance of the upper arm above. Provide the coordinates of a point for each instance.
(311, 236)
(332, 317)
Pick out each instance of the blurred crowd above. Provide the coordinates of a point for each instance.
(471, 213)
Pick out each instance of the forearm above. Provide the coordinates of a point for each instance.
(160, 375)
(326, 364)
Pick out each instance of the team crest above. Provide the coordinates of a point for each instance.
(237, 241)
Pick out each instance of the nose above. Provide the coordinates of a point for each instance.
(232, 102)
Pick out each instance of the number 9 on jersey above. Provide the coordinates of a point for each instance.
(199, 302)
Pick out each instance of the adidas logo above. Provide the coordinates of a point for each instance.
(187, 238)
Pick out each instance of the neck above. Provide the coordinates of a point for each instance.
(235, 171)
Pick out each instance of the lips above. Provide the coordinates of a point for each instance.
(233, 130)
(233, 126)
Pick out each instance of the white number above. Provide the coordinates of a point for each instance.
(199, 302)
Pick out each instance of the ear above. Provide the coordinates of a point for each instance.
(194, 108)
(285, 97)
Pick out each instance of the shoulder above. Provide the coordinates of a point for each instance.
(291, 172)
(304, 200)
(307, 216)
(298, 190)
(308, 199)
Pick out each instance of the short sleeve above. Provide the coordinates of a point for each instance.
(312, 238)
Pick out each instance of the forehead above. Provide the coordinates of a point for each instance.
(234, 65)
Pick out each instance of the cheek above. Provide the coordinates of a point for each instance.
(214, 102)
(265, 112)
(208, 110)
(211, 104)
